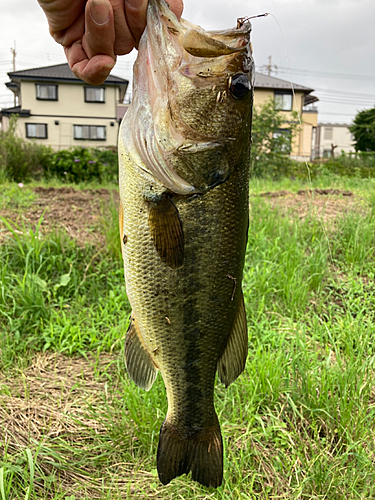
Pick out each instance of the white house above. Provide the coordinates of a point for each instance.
(332, 139)
(57, 109)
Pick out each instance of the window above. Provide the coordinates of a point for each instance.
(283, 101)
(328, 133)
(36, 131)
(46, 92)
(282, 141)
(90, 132)
(94, 94)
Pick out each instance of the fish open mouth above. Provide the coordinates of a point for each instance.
(170, 51)
(192, 39)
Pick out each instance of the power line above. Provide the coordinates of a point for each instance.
(344, 92)
(320, 73)
(358, 102)
(343, 99)
(325, 74)
(338, 114)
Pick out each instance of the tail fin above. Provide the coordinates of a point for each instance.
(200, 453)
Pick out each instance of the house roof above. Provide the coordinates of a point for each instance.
(266, 82)
(15, 110)
(270, 82)
(345, 125)
(58, 72)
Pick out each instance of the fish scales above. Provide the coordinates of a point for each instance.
(184, 221)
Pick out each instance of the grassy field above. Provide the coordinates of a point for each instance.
(299, 423)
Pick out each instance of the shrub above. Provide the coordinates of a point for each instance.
(361, 165)
(21, 160)
(271, 141)
(109, 159)
(82, 164)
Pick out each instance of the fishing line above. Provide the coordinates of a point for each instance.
(301, 129)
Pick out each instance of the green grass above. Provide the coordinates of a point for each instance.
(15, 197)
(364, 187)
(299, 422)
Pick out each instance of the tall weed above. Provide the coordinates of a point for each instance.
(21, 160)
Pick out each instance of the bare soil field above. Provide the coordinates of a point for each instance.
(80, 213)
(327, 204)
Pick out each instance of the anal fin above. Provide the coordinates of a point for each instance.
(166, 231)
(138, 362)
(233, 360)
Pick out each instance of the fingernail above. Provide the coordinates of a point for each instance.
(99, 11)
(107, 68)
(135, 4)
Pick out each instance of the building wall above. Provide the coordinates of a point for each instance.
(4, 123)
(336, 134)
(70, 109)
(60, 136)
(71, 101)
(302, 142)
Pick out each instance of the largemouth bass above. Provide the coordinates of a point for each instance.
(184, 167)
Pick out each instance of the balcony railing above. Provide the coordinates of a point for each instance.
(310, 109)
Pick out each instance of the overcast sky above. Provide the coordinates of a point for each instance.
(330, 45)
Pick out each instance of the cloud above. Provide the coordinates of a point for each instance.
(335, 36)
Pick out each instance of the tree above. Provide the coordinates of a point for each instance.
(272, 140)
(363, 130)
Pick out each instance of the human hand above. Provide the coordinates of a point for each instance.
(94, 32)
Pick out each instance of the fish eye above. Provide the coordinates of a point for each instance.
(239, 86)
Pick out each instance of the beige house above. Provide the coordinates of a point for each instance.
(280, 91)
(332, 139)
(57, 109)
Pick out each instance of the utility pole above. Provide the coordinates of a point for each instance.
(14, 53)
(270, 67)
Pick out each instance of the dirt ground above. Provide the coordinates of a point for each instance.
(81, 213)
(49, 404)
(327, 204)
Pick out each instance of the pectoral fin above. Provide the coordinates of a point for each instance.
(166, 232)
(138, 362)
(233, 360)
